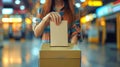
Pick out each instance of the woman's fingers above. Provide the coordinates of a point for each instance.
(58, 18)
(55, 17)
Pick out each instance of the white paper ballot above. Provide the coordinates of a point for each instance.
(59, 34)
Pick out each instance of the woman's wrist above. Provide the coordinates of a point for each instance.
(46, 19)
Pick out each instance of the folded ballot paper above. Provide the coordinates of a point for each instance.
(59, 34)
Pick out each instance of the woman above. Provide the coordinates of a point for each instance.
(56, 11)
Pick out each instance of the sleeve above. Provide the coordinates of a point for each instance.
(75, 28)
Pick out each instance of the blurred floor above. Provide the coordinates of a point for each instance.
(25, 54)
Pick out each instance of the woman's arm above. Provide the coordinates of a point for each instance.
(52, 16)
(39, 28)
(75, 33)
(76, 27)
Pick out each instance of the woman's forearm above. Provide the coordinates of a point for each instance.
(38, 29)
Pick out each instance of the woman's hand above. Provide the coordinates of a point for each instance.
(54, 17)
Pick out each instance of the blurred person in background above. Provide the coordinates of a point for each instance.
(56, 11)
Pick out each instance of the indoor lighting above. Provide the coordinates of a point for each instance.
(22, 7)
(95, 3)
(5, 20)
(82, 0)
(7, 1)
(87, 18)
(7, 10)
(28, 21)
(16, 19)
(34, 19)
(104, 10)
(10, 20)
(17, 2)
(78, 5)
(116, 8)
(42, 1)
(83, 20)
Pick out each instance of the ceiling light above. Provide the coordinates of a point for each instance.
(42, 1)
(17, 2)
(78, 5)
(22, 7)
(82, 0)
(7, 10)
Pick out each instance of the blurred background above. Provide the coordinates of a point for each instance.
(99, 21)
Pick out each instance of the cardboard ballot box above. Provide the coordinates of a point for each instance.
(59, 56)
